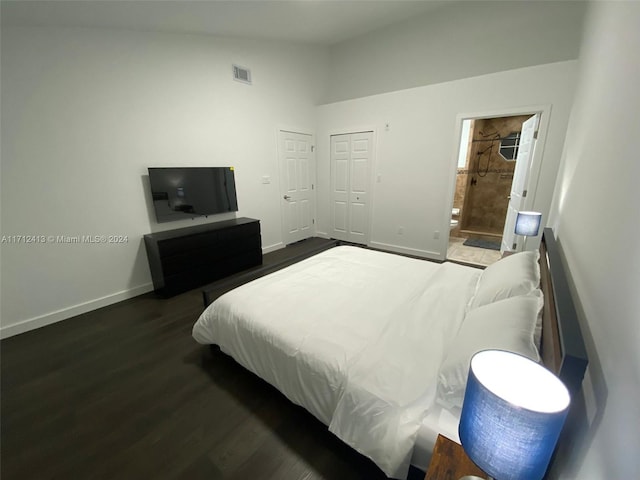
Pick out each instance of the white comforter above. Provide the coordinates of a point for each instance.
(354, 336)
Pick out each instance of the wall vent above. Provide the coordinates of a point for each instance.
(242, 74)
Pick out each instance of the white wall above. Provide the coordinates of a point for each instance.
(595, 216)
(459, 40)
(416, 158)
(85, 112)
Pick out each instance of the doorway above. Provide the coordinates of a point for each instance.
(489, 159)
(297, 170)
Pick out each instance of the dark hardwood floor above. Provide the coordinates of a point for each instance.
(125, 392)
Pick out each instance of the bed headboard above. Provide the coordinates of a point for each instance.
(562, 348)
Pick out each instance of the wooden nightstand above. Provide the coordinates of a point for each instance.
(449, 462)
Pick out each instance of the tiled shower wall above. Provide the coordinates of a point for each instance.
(483, 186)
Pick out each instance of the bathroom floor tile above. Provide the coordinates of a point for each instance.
(457, 252)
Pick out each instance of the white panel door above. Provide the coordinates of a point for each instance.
(297, 182)
(351, 156)
(340, 165)
(360, 180)
(519, 183)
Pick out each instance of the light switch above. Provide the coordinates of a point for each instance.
(266, 179)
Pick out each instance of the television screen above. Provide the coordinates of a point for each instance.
(187, 192)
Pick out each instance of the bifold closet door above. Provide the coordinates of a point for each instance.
(351, 156)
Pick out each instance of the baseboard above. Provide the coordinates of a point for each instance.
(408, 251)
(272, 248)
(65, 313)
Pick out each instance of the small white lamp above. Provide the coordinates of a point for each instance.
(528, 224)
(512, 415)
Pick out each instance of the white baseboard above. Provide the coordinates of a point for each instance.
(272, 248)
(408, 251)
(7, 331)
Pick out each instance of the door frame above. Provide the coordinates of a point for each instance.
(314, 169)
(372, 170)
(536, 160)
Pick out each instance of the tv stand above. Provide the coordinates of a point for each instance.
(190, 257)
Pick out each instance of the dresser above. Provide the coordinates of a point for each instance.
(190, 257)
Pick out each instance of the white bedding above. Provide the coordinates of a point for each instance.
(354, 336)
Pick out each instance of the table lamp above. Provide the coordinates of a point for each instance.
(528, 224)
(512, 415)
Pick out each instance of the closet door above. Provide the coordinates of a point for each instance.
(351, 156)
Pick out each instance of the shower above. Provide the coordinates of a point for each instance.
(484, 184)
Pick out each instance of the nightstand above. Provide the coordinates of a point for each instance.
(449, 462)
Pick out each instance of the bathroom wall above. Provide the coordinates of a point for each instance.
(483, 187)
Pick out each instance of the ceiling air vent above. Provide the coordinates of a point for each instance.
(242, 74)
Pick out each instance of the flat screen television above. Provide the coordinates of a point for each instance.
(188, 192)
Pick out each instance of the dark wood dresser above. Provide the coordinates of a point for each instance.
(190, 257)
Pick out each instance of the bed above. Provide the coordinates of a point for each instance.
(377, 345)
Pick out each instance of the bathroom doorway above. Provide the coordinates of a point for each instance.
(484, 176)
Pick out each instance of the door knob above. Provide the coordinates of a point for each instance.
(287, 197)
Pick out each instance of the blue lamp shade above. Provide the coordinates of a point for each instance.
(528, 223)
(512, 415)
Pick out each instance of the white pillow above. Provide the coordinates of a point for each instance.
(508, 324)
(517, 274)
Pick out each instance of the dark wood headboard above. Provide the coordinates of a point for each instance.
(562, 348)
